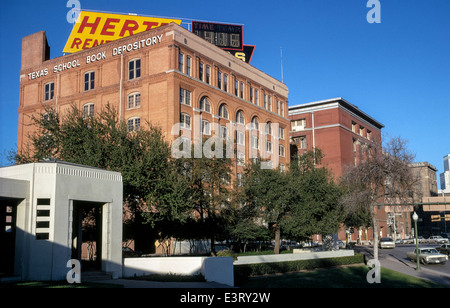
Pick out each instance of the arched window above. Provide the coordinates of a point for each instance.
(134, 124)
(255, 123)
(88, 110)
(134, 100)
(205, 105)
(240, 117)
(223, 111)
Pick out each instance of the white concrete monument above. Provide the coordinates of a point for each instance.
(42, 208)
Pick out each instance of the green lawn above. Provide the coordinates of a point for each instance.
(343, 277)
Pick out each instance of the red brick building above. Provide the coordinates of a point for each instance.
(341, 131)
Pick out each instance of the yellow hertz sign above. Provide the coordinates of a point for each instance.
(93, 29)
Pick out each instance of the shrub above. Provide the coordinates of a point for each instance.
(242, 272)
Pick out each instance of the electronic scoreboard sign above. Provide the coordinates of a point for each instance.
(227, 37)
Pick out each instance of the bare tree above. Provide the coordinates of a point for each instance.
(382, 176)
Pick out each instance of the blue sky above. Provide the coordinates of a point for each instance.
(397, 71)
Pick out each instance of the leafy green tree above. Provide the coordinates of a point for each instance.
(299, 202)
(151, 184)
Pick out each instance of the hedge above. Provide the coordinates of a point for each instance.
(242, 272)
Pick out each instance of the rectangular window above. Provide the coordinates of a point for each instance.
(269, 106)
(240, 159)
(219, 79)
(134, 69)
(280, 132)
(298, 125)
(256, 97)
(49, 91)
(240, 138)
(281, 150)
(242, 90)
(251, 94)
(206, 128)
(225, 82)
(88, 110)
(89, 81)
(236, 87)
(181, 62)
(185, 97)
(269, 146)
(134, 124)
(185, 120)
(200, 71)
(188, 65)
(255, 142)
(134, 100)
(208, 74)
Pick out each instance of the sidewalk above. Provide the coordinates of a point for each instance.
(143, 284)
(409, 268)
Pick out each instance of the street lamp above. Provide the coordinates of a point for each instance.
(415, 218)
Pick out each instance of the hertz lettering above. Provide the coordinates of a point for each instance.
(93, 29)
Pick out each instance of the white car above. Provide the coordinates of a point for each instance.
(427, 255)
(438, 239)
(386, 242)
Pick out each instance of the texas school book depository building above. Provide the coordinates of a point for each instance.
(168, 76)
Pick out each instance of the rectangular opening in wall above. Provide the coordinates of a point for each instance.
(42, 236)
(42, 224)
(43, 201)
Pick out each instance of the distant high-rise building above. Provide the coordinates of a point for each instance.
(445, 176)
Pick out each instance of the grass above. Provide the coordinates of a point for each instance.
(57, 285)
(342, 277)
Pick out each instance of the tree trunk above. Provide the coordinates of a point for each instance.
(375, 237)
(276, 250)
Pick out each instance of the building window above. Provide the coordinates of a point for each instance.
(354, 127)
(369, 135)
(265, 101)
(181, 62)
(185, 97)
(134, 100)
(185, 121)
(206, 128)
(89, 81)
(281, 150)
(256, 97)
(298, 125)
(225, 82)
(280, 132)
(361, 131)
(269, 128)
(240, 118)
(240, 137)
(236, 87)
(88, 110)
(282, 109)
(205, 105)
(269, 146)
(269, 106)
(49, 91)
(208, 74)
(223, 111)
(255, 142)
(200, 71)
(241, 93)
(240, 179)
(134, 124)
(223, 133)
(302, 142)
(134, 69)
(188, 65)
(240, 158)
(219, 79)
(255, 123)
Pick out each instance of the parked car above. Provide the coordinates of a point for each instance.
(340, 244)
(427, 255)
(444, 249)
(386, 242)
(437, 239)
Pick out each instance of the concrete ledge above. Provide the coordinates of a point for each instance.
(214, 269)
(293, 257)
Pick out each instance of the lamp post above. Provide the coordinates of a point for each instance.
(415, 218)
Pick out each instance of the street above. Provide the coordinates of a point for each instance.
(396, 259)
